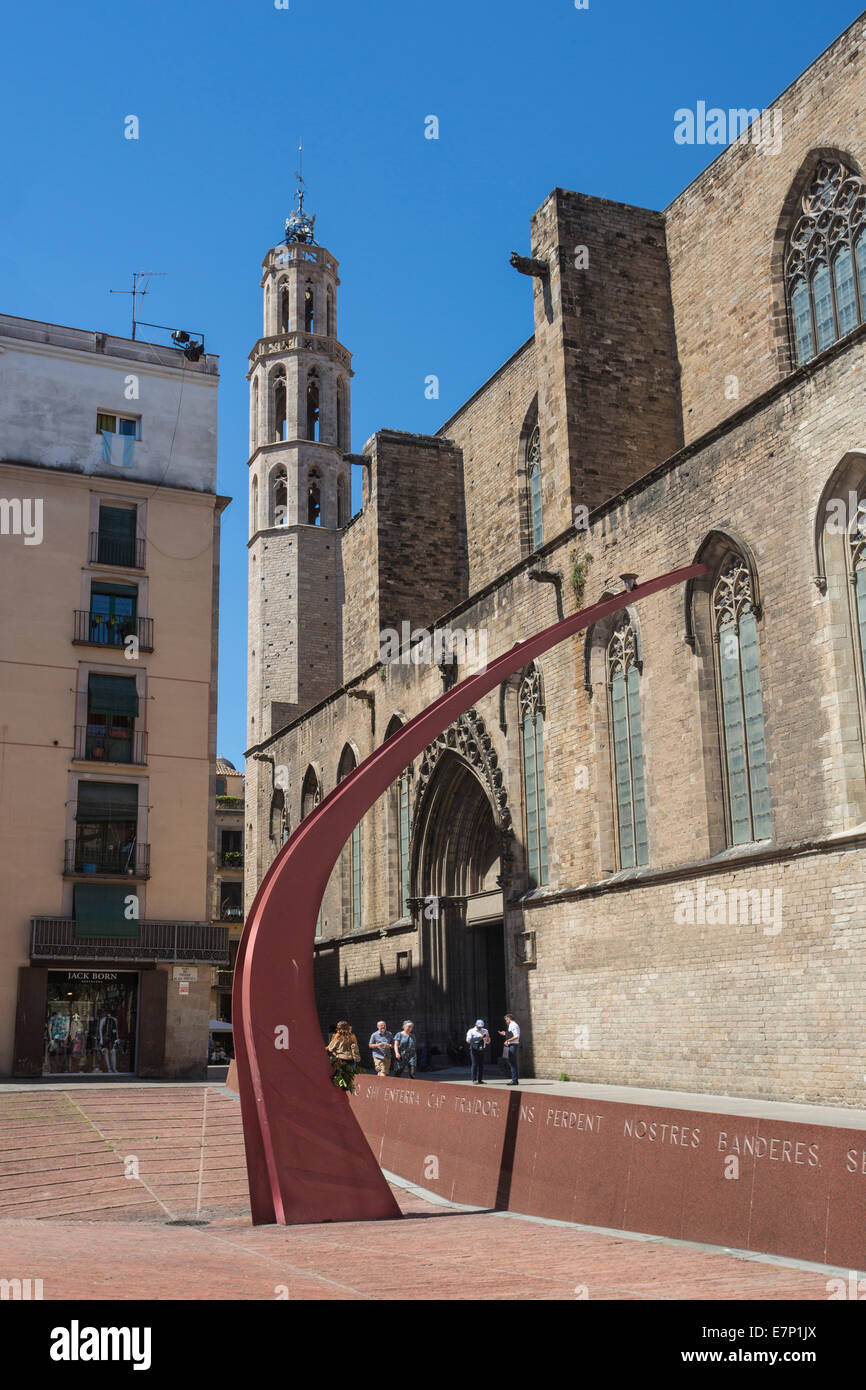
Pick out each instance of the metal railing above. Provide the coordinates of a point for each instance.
(105, 747)
(123, 552)
(223, 979)
(231, 859)
(131, 861)
(230, 914)
(103, 630)
(55, 938)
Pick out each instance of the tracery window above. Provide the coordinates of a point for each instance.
(531, 723)
(279, 405)
(313, 406)
(348, 764)
(627, 743)
(825, 264)
(309, 309)
(533, 465)
(314, 498)
(281, 498)
(741, 705)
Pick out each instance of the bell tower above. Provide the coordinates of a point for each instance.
(300, 480)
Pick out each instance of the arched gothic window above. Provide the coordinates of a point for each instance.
(314, 498)
(332, 314)
(254, 506)
(740, 703)
(352, 893)
(313, 407)
(254, 416)
(341, 415)
(311, 795)
(280, 493)
(279, 817)
(533, 467)
(401, 822)
(342, 501)
(825, 263)
(531, 724)
(627, 743)
(283, 325)
(279, 405)
(309, 309)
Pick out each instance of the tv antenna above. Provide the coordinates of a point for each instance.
(139, 277)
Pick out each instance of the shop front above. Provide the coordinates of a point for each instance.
(91, 1018)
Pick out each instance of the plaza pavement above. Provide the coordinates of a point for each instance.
(138, 1191)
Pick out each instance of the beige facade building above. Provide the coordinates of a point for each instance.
(227, 905)
(649, 845)
(109, 562)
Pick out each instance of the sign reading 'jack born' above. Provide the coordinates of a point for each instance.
(746, 1182)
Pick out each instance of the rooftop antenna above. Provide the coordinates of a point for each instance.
(299, 175)
(139, 276)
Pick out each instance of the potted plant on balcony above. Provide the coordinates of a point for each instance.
(233, 857)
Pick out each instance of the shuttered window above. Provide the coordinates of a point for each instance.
(105, 909)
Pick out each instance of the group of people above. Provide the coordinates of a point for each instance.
(397, 1053)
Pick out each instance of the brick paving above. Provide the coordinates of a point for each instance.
(70, 1216)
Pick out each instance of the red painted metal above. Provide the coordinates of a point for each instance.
(307, 1158)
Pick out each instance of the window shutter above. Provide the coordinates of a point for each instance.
(100, 910)
(113, 801)
(112, 695)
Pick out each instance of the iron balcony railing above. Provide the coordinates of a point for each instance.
(104, 630)
(130, 860)
(54, 938)
(123, 552)
(232, 859)
(99, 746)
(231, 913)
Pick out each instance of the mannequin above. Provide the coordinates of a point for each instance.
(108, 1041)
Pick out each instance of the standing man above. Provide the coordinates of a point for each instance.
(477, 1038)
(381, 1046)
(512, 1039)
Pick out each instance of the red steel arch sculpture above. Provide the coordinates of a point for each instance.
(307, 1158)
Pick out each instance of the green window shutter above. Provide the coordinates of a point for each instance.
(530, 791)
(118, 523)
(637, 774)
(112, 695)
(100, 910)
(754, 722)
(535, 494)
(735, 737)
(622, 770)
(356, 876)
(112, 801)
(404, 843)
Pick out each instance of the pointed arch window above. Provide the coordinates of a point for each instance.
(311, 795)
(403, 839)
(342, 501)
(309, 308)
(531, 724)
(280, 493)
(533, 466)
(254, 416)
(825, 262)
(254, 506)
(332, 314)
(341, 415)
(283, 325)
(741, 704)
(313, 407)
(627, 743)
(352, 897)
(279, 405)
(279, 817)
(314, 498)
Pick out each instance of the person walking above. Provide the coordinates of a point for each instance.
(405, 1050)
(381, 1045)
(477, 1038)
(345, 1055)
(512, 1041)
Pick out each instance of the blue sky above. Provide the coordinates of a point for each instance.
(528, 96)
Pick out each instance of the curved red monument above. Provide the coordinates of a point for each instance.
(307, 1158)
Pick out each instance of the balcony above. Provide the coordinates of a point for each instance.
(54, 938)
(101, 630)
(223, 979)
(121, 552)
(230, 803)
(116, 747)
(231, 859)
(127, 861)
(229, 913)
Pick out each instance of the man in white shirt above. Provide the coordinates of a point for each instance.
(477, 1038)
(512, 1039)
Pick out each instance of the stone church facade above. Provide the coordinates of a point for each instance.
(650, 845)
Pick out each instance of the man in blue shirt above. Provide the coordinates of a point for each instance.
(381, 1043)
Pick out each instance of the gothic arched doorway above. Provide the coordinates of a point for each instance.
(457, 846)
